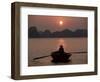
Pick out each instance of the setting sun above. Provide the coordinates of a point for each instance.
(61, 22)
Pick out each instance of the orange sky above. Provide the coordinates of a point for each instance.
(52, 23)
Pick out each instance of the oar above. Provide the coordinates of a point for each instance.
(50, 55)
(78, 52)
(41, 57)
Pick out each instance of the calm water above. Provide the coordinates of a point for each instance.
(44, 46)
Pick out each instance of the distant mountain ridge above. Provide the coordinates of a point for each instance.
(34, 33)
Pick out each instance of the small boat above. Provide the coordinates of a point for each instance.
(60, 55)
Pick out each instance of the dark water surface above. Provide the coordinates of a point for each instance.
(38, 47)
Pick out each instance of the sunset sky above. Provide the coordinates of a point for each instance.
(57, 23)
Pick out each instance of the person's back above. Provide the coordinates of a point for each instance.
(61, 49)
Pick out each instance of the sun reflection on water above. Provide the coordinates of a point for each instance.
(61, 42)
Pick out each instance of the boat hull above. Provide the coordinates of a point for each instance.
(60, 57)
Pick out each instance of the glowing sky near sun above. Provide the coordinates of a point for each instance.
(57, 23)
(60, 22)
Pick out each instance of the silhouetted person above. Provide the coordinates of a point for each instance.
(61, 49)
(60, 55)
